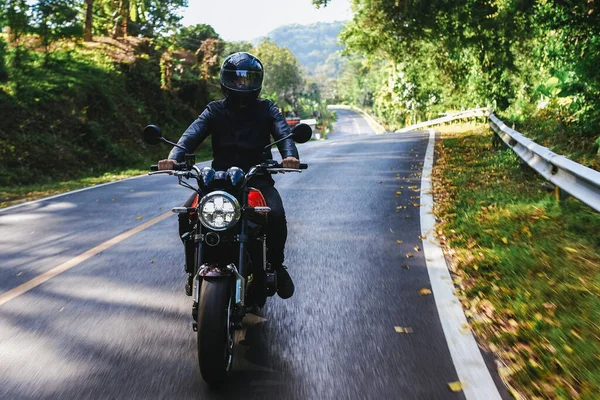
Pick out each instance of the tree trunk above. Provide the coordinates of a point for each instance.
(89, 6)
(121, 20)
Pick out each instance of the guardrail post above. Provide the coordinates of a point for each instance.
(560, 195)
(496, 141)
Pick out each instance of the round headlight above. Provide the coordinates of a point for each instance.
(219, 211)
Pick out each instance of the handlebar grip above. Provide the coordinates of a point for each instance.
(180, 166)
(303, 166)
(154, 167)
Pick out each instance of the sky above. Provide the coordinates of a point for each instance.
(249, 19)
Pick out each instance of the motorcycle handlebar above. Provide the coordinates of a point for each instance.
(177, 167)
(302, 166)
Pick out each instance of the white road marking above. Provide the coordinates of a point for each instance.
(66, 193)
(356, 126)
(202, 164)
(46, 276)
(471, 369)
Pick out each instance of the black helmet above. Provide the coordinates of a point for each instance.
(241, 77)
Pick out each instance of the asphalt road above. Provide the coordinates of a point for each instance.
(118, 324)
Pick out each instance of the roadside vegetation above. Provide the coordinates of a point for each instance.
(526, 265)
(535, 63)
(80, 80)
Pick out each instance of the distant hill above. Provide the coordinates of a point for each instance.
(314, 45)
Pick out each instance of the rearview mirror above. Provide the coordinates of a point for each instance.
(301, 133)
(152, 135)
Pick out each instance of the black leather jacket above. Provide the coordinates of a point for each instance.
(238, 135)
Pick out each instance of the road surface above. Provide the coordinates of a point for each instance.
(116, 323)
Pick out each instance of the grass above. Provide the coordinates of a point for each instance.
(17, 194)
(527, 267)
(20, 194)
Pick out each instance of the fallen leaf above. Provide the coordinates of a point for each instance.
(399, 241)
(424, 292)
(422, 237)
(398, 193)
(405, 266)
(20, 273)
(455, 386)
(505, 240)
(568, 349)
(417, 249)
(139, 217)
(570, 249)
(409, 255)
(152, 261)
(400, 329)
(464, 329)
(113, 199)
(576, 334)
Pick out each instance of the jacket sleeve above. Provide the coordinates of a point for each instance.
(287, 148)
(193, 136)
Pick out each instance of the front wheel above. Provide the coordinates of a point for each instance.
(215, 331)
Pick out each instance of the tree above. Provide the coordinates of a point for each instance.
(17, 20)
(89, 12)
(236, 47)
(161, 18)
(207, 56)
(190, 37)
(283, 75)
(54, 20)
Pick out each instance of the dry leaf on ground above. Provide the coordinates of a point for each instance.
(455, 386)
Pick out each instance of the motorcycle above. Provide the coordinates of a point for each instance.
(231, 274)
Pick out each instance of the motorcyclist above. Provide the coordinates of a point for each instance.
(240, 127)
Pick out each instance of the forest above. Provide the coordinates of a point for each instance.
(534, 62)
(79, 80)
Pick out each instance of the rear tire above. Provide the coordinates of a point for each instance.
(215, 333)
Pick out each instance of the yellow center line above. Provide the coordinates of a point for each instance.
(46, 276)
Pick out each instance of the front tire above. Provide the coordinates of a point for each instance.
(215, 332)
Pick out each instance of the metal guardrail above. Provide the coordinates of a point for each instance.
(476, 112)
(580, 182)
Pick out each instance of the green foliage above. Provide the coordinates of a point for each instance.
(3, 69)
(235, 47)
(190, 37)
(146, 18)
(526, 59)
(82, 115)
(56, 19)
(283, 76)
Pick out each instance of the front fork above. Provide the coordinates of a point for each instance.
(237, 274)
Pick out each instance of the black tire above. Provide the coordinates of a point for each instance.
(215, 334)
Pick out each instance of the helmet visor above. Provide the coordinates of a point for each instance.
(241, 80)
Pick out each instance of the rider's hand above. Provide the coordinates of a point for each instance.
(290, 162)
(166, 164)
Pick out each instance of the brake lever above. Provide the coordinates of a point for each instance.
(284, 170)
(164, 171)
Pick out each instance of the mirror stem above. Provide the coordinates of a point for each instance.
(173, 144)
(278, 141)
